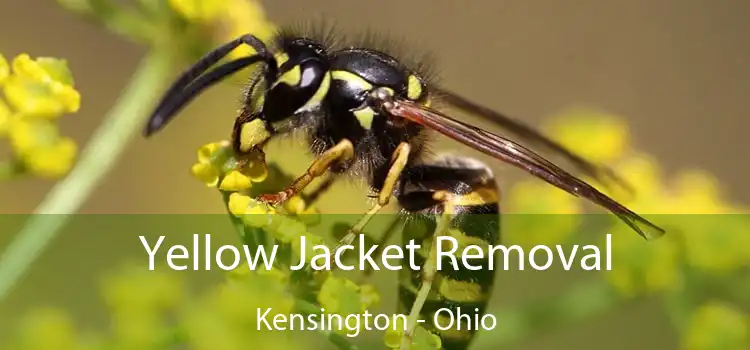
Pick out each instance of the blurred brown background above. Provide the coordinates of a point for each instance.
(677, 70)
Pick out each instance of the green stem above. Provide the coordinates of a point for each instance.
(99, 157)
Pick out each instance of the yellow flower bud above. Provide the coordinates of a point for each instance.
(238, 204)
(235, 181)
(288, 229)
(26, 135)
(206, 173)
(40, 99)
(53, 161)
(339, 295)
(207, 151)
(295, 205)
(255, 167)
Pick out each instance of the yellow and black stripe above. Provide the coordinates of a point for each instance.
(473, 199)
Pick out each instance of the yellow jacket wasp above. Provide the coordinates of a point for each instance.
(367, 114)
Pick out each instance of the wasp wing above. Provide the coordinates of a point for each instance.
(529, 134)
(511, 152)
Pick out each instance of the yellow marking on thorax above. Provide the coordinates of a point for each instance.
(352, 78)
(365, 117)
(413, 88)
(291, 77)
(481, 196)
(320, 94)
(252, 134)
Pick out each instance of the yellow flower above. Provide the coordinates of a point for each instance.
(47, 329)
(6, 115)
(295, 205)
(538, 213)
(643, 267)
(287, 229)
(207, 152)
(4, 69)
(199, 10)
(215, 160)
(54, 161)
(597, 136)
(41, 88)
(717, 326)
(422, 339)
(41, 148)
(244, 17)
(235, 181)
(206, 173)
(238, 204)
(339, 295)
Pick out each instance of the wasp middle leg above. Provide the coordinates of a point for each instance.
(398, 163)
(454, 197)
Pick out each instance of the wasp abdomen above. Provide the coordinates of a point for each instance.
(459, 294)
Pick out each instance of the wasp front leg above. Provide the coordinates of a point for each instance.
(341, 152)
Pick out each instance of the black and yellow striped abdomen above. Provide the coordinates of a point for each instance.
(476, 221)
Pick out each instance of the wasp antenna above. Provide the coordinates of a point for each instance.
(186, 87)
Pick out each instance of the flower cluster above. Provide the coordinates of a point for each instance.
(217, 167)
(37, 92)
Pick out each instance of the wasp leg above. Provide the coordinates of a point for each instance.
(341, 152)
(398, 163)
(380, 242)
(314, 195)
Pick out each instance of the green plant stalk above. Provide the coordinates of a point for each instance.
(97, 159)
